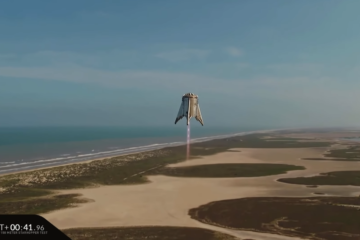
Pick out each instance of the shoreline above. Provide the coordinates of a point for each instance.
(197, 140)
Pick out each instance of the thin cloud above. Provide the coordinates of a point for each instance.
(46, 58)
(233, 51)
(183, 54)
(295, 67)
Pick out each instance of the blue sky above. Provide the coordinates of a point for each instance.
(266, 63)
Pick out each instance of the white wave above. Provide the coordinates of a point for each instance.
(6, 162)
(11, 165)
(34, 162)
(85, 155)
(51, 160)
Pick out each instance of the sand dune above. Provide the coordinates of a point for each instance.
(166, 200)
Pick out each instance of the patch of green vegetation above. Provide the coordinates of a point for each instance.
(8, 182)
(330, 178)
(258, 141)
(331, 159)
(142, 233)
(39, 205)
(18, 194)
(330, 218)
(351, 153)
(285, 139)
(227, 170)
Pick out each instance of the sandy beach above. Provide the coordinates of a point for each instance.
(165, 201)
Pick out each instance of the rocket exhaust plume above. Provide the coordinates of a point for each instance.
(188, 142)
(189, 108)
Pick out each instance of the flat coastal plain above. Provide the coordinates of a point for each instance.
(165, 200)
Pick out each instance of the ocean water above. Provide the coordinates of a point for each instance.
(24, 148)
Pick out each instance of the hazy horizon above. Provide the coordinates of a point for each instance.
(276, 64)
